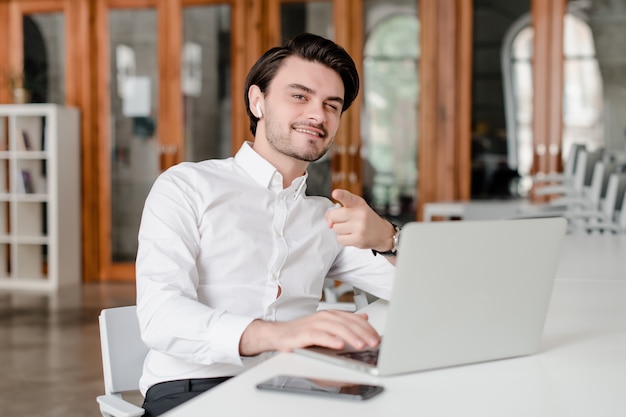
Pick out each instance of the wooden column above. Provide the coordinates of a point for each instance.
(547, 84)
(80, 78)
(445, 101)
(170, 113)
(245, 14)
(5, 94)
(346, 167)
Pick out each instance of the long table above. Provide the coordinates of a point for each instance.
(580, 370)
(593, 257)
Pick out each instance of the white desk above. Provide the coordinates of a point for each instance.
(594, 257)
(476, 209)
(580, 371)
(487, 209)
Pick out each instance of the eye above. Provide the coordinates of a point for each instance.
(333, 107)
(298, 97)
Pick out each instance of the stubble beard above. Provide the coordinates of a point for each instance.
(282, 143)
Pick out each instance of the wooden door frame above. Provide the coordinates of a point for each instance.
(107, 270)
(444, 121)
(349, 25)
(170, 127)
(5, 95)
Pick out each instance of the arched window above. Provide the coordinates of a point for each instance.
(582, 92)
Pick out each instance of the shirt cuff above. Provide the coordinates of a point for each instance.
(229, 327)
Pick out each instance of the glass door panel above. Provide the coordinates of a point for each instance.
(44, 57)
(205, 82)
(312, 17)
(317, 18)
(389, 116)
(133, 144)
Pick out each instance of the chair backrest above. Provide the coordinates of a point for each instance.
(580, 172)
(610, 201)
(123, 351)
(570, 163)
(597, 183)
(592, 158)
(609, 168)
(620, 207)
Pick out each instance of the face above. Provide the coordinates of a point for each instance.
(302, 109)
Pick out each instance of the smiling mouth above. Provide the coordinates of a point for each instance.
(318, 132)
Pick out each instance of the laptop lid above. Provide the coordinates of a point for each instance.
(468, 291)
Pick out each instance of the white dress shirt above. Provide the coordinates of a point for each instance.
(217, 240)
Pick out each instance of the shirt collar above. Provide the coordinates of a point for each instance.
(264, 173)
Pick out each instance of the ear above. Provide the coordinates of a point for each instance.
(255, 97)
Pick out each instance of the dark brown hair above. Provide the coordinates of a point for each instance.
(311, 48)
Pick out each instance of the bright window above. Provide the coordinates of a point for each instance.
(582, 92)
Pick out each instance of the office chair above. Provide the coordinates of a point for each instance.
(592, 195)
(577, 208)
(569, 168)
(123, 354)
(333, 291)
(613, 215)
(571, 185)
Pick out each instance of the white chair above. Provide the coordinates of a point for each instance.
(591, 195)
(570, 186)
(123, 354)
(613, 215)
(333, 291)
(587, 199)
(569, 167)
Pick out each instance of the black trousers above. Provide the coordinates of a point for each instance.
(164, 396)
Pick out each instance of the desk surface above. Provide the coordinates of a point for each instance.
(593, 257)
(580, 371)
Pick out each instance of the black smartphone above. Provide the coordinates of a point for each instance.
(323, 387)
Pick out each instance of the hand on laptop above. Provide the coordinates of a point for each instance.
(330, 328)
(357, 224)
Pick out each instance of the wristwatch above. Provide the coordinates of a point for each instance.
(395, 243)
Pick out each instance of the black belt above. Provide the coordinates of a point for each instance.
(184, 385)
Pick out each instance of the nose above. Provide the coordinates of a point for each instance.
(315, 111)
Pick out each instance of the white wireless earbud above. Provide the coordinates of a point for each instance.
(258, 110)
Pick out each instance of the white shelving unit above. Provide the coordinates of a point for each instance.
(39, 197)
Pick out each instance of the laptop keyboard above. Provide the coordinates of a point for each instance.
(368, 356)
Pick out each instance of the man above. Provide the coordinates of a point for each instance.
(233, 255)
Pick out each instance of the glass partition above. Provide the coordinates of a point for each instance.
(389, 117)
(311, 16)
(133, 145)
(44, 57)
(205, 82)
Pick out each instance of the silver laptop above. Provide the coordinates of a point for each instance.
(464, 292)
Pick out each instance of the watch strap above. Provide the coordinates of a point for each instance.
(394, 248)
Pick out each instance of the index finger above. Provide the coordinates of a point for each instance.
(346, 198)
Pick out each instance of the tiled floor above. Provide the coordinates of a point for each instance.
(50, 350)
